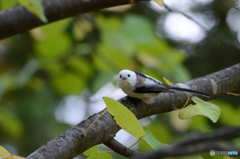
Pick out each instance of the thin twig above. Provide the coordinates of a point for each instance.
(134, 143)
(220, 133)
(229, 4)
(233, 94)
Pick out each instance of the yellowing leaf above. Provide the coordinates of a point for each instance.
(124, 117)
(11, 157)
(34, 6)
(159, 2)
(202, 108)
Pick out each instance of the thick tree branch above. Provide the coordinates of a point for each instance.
(71, 142)
(196, 144)
(17, 20)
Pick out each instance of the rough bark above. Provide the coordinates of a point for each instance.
(72, 142)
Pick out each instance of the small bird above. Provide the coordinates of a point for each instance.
(144, 87)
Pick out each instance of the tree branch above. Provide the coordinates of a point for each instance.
(208, 142)
(72, 142)
(121, 149)
(198, 143)
(226, 132)
(17, 20)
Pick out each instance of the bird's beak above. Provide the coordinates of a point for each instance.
(124, 78)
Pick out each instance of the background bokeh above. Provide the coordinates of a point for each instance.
(55, 76)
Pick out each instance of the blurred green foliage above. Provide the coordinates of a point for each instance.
(41, 67)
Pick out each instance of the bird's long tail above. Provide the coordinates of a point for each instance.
(190, 90)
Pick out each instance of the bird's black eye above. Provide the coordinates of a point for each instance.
(128, 75)
(120, 76)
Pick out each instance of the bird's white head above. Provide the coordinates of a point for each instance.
(126, 79)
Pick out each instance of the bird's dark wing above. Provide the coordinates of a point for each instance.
(190, 90)
(152, 89)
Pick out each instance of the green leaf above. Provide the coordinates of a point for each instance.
(100, 155)
(124, 117)
(93, 153)
(202, 108)
(153, 141)
(3, 152)
(156, 127)
(90, 151)
(34, 6)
